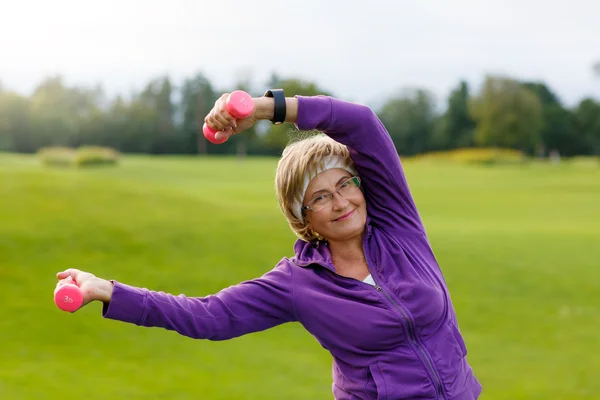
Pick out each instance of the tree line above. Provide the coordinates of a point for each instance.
(164, 118)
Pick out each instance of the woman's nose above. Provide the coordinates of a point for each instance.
(339, 201)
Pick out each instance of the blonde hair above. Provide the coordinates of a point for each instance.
(301, 161)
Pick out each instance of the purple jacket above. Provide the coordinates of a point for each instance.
(397, 340)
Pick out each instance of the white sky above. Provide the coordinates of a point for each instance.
(359, 50)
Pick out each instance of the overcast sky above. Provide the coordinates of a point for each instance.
(359, 50)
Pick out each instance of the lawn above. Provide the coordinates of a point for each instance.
(519, 246)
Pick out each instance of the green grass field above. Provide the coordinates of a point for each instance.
(519, 246)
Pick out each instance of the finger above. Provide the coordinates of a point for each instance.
(208, 121)
(214, 123)
(64, 281)
(71, 272)
(224, 134)
(225, 119)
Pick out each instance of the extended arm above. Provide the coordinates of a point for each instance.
(250, 306)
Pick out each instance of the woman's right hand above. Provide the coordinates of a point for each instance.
(224, 123)
(92, 287)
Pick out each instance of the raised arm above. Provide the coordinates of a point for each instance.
(389, 201)
(247, 307)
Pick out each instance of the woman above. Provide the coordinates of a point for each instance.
(364, 280)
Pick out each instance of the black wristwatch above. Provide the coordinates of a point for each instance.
(280, 110)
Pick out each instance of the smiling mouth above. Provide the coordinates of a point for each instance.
(345, 216)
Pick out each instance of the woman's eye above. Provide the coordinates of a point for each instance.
(319, 199)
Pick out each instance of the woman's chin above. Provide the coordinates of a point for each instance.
(347, 231)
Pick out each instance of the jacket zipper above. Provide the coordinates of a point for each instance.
(416, 343)
(411, 331)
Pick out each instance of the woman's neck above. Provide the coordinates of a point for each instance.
(348, 256)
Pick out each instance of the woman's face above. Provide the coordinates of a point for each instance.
(345, 216)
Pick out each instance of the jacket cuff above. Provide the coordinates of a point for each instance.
(127, 303)
(314, 112)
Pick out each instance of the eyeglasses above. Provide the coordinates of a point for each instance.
(323, 200)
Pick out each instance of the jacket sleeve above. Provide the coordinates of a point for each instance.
(389, 200)
(250, 306)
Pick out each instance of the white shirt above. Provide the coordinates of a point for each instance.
(369, 280)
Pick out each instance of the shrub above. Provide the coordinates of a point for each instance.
(57, 156)
(82, 157)
(95, 155)
(486, 156)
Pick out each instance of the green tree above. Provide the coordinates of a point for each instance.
(90, 116)
(115, 130)
(456, 126)
(155, 101)
(587, 123)
(410, 118)
(543, 92)
(507, 115)
(51, 119)
(59, 114)
(169, 140)
(557, 132)
(15, 131)
(197, 99)
(140, 133)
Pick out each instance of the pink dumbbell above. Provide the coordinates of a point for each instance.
(68, 297)
(240, 105)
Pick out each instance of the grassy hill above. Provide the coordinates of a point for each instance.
(519, 246)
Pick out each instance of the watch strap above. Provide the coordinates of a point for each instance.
(280, 106)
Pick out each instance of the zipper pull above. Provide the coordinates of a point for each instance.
(377, 287)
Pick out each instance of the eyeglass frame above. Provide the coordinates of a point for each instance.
(354, 178)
